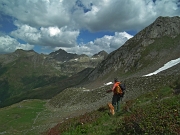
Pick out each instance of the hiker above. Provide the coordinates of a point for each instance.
(117, 95)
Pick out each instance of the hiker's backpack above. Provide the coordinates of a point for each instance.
(123, 88)
(118, 90)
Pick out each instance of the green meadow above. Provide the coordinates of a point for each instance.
(25, 117)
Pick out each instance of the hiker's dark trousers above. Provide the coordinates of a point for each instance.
(116, 102)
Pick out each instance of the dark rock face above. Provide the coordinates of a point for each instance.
(62, 55)
(165, 26)
(103, 54)
(162, 26)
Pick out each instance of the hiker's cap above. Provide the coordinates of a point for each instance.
(116, 79)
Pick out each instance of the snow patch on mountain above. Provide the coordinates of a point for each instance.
(109, 83)
(166, 66)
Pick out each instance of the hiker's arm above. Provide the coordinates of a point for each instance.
(114, 86)
(108, 91)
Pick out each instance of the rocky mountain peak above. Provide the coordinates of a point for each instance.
(62, 55)
(144, 53)
(103, 54)
(165, 26)
(21, 51)
(162, 26)
(60, 51)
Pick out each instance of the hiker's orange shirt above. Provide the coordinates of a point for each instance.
(115, 85)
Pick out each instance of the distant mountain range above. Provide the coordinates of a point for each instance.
(21, 72)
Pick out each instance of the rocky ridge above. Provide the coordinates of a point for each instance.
(70, 64)
(144, 53)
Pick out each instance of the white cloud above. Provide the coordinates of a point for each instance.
(54, 31)
(107, 43)
(37, 13)
(50, 36)
(114, 15)
(8, 44)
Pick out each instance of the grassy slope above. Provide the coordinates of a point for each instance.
(161, 44)
(22, 118)
(22, 75)
(29, 117)
(48, 91)
(157, 112)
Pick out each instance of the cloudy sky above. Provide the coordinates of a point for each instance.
(77, 26)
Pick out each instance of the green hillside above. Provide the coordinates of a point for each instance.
(22, 75)
(157, 112)
(21, 118)
(29, 75)
(39, 85)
